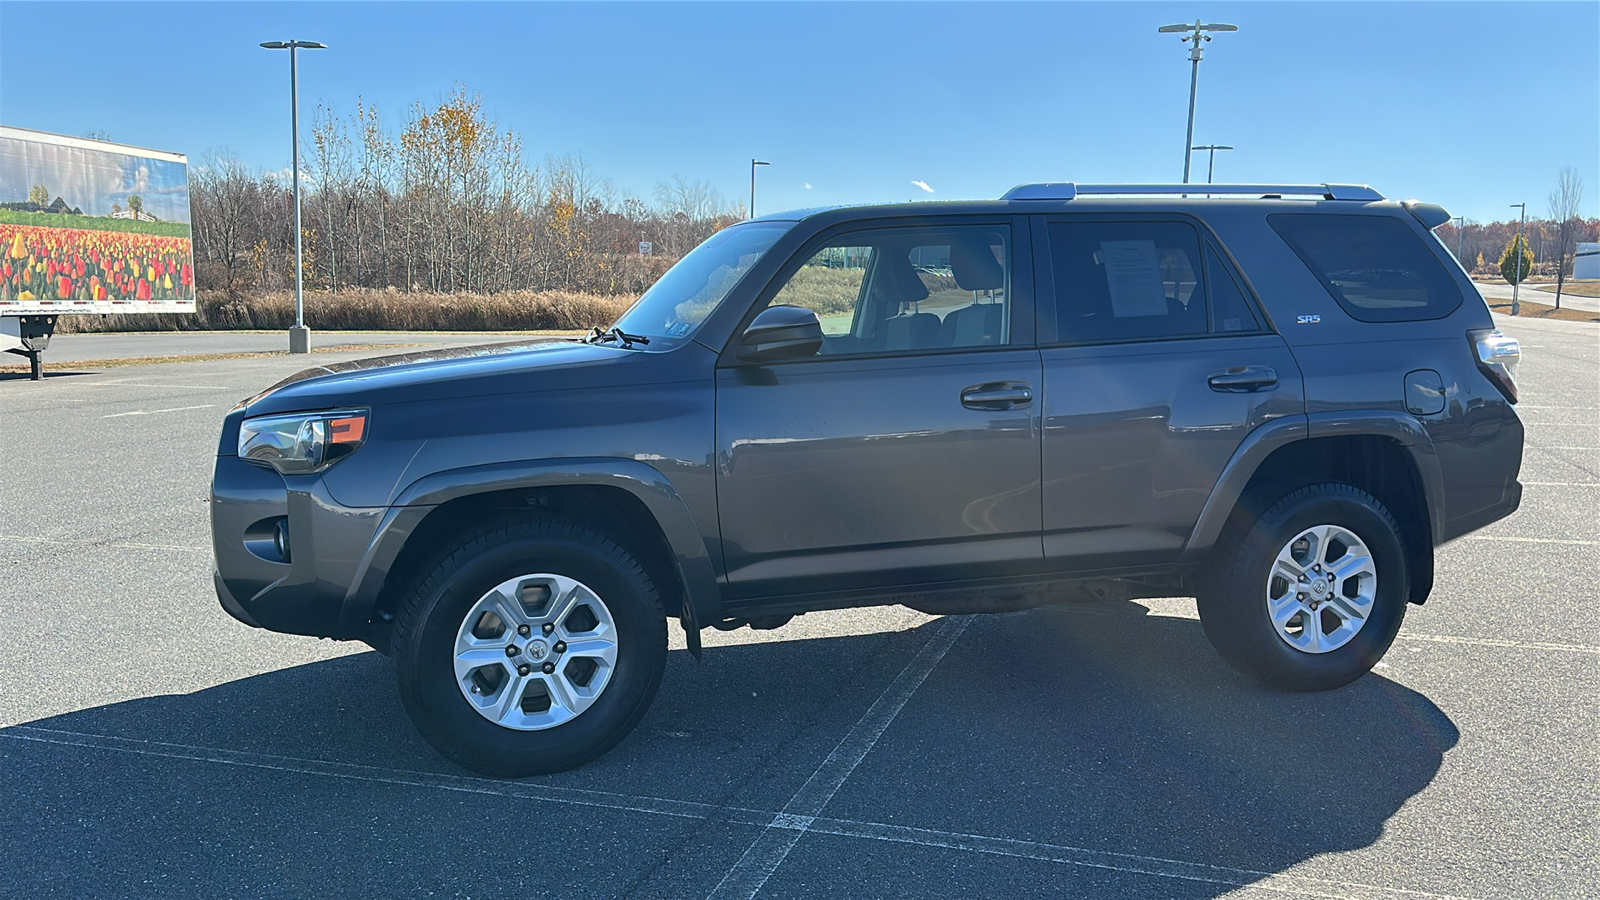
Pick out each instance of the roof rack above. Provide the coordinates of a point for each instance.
(1067, 190)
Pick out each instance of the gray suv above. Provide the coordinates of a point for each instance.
(1278, 399)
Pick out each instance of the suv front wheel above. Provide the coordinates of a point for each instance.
(532, 646)
(1309, 595)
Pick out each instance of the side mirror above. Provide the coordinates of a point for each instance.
(781, 332)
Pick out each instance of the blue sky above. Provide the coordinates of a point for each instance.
(1472, 105)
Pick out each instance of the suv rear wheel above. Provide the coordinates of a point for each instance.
(533, 646)
(1311, 594)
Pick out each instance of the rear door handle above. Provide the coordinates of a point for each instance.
(1243, 379)
(997, 395)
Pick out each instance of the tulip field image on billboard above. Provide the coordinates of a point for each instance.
(92, 227)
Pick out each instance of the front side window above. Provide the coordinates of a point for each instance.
(896, 290)
(1376, 267)
(696, 285)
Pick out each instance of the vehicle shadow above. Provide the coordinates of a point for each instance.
(8, 373)
(1093, 727)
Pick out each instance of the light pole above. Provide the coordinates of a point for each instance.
(1518, 245)
(299, 335)
(1211, 166)
(1461, 225)
(1198, 36)
(753, 164)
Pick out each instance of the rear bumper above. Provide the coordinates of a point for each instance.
(305, 593)
(1488, 515)
(1480, 458)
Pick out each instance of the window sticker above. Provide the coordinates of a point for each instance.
(1133, 276)
(679, 329)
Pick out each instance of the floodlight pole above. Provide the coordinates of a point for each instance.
(1518, 246)
(1196, 34)
(299, 335)
(1461, 225)
(1211, 166)
(753, 164)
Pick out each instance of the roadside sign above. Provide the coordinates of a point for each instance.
(645, 247)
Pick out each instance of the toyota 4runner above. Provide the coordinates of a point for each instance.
(1277, 399)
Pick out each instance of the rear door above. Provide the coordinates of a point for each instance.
(906, 451)
(1157, 363)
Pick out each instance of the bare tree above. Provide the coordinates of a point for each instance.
(330, 166)
(1566, 202)
(226, 212)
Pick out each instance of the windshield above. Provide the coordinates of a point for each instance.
(683, 298)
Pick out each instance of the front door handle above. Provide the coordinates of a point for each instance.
(997, 395)
(1243, 379)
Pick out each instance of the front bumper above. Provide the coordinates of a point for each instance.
(307, 593)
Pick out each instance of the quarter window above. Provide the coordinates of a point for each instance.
(1376, 267)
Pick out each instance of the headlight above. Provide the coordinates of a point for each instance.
(303, 442)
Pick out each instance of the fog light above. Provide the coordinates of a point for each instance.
(280, 539)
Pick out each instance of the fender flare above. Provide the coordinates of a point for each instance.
(702, 600)
(1400, 427)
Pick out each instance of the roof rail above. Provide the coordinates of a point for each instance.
(1068, 190)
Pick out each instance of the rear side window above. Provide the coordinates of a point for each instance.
(1376, 267)
(1119, 281)
(1139, 281)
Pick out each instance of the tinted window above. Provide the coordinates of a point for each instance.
(1127, 281)
(903, 289)
(1378, 268)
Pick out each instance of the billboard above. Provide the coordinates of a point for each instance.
(92, 227)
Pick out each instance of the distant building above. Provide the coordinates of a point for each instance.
(1587, 262)
(141, 215)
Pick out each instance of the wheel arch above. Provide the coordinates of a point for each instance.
(627, 499)
(1389, 455)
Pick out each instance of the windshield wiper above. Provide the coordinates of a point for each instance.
(596, 335)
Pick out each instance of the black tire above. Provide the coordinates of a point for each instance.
(1233, 596)
(437, 603)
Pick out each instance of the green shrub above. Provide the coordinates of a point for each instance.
(1508, 260)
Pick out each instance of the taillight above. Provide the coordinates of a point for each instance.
(1497, 356)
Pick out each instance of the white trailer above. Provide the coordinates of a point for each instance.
(88, 227)
(1586, 263)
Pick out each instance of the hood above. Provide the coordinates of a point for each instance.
(422, 376)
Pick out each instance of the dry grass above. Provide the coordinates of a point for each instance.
(373, 310)
(1585, 288)
(1531, 310)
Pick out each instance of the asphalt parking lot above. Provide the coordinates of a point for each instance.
(151, 745)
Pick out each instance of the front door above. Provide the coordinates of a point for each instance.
(906, 451)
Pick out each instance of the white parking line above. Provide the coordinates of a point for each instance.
(1129, 863)
(1497, 642)
(124, 383)
(151, 412)
(767, 852)
(1525, 540)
